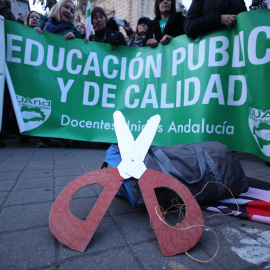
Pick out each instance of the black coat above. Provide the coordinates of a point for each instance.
(5, 11)
(110, 34)
(174, 27)
(204, 16)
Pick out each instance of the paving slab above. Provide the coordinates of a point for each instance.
(121, 259)
(9, 175)
(7, 185)
(39, 166)
(30, 249)
(150, 256)
(85, 192)
(30, 183)
(64, 180)
(45, 173)
(81, 207)
(76, 172)
(136, 226)
(106, 237)
(21, 217)
(34, 195)
(3, 196)
(10, 166)
(121, 206)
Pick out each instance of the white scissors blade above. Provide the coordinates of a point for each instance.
(147, 135)
(132, 163)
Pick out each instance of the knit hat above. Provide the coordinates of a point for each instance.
(143, 19)
(100, 10)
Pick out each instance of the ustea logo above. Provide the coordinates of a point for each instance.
(259, 124)
(34, 111)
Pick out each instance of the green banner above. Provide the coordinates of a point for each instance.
(214, 88)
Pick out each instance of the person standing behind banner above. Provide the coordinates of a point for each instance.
(61, 18)
(128, 29)
(20, 18)
(205, 16)
(106, 31)
(60, 22)
(167, 24)
(6, 12)
(32, 20)
(138, 40)
(8, 112)
(80, 26)
(259, 4)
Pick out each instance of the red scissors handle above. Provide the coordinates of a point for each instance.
(76, 233)
(71, 231)
(185, 235)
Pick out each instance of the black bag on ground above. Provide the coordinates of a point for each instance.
(195, 165)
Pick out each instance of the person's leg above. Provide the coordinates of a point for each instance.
(9, 123)
(43, 142)
(2, 144)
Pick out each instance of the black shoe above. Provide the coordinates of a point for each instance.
(267, 164)
(43, 142)
(65, 143)
(24, 139)
(41, 145)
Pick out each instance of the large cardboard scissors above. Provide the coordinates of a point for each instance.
(76, 233)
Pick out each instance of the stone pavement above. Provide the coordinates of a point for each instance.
(31, 179)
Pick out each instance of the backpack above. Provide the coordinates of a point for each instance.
(194, 165)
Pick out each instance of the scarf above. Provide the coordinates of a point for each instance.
(54, 27)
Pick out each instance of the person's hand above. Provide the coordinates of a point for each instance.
(69, 35)
(127, 25)
(38, 29)
(85, 40)
(228, 20)
(152, 43)
(166, 39)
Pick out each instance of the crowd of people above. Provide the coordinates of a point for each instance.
(203, 17)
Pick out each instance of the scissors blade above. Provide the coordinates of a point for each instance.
(147, 135)
(132, 163)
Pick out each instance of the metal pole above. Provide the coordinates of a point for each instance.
(2, 66)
